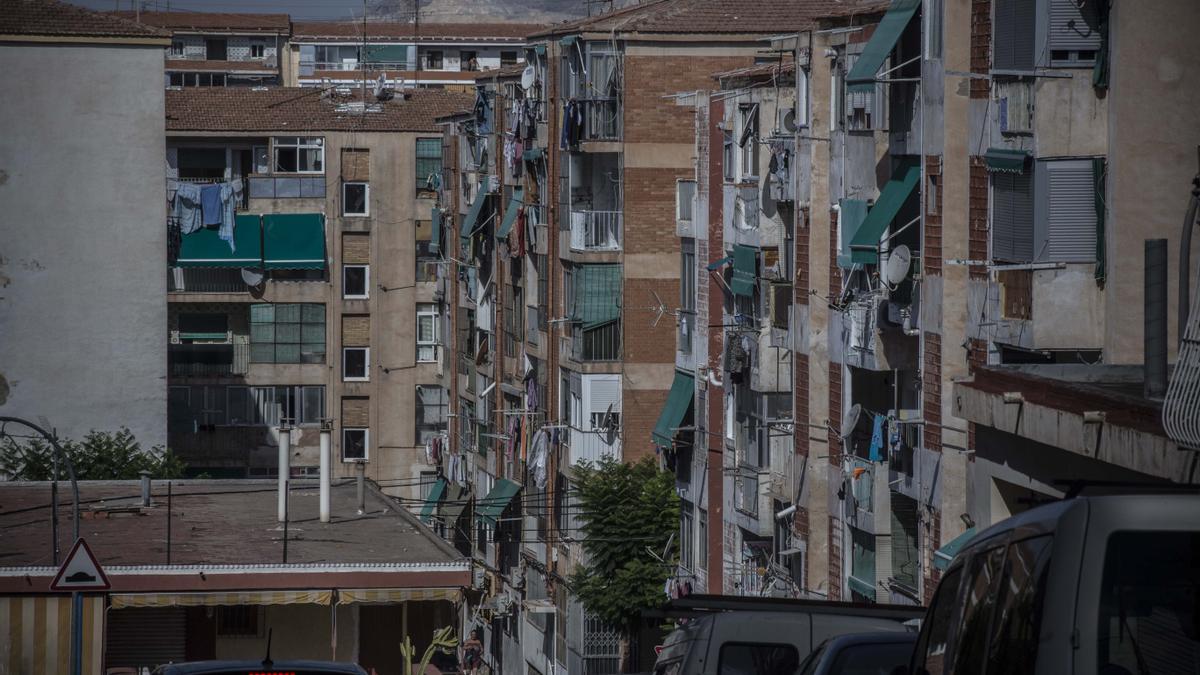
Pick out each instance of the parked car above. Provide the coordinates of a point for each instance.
(1107, 585)
(260, 668)
(861, 654)
(765, 636)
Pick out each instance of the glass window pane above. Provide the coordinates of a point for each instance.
(262, 333)
(1017, 625)
(313, 313)
(262, 353)
(935, 637)
(287, 332)
(425, 328)
(355, 363)
(354, 444)
(354, 280)
(313, 335)
(287, 353)
(869, 659)
(758, 659)
(982, 580)
(239, 406)
(314, 404)
(287, 313)
(262, 313)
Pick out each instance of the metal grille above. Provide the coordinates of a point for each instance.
(601, 646)
(1180, 420)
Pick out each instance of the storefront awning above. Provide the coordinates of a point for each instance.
(865, 242)
(470, 222)
(391, 595)
(679, 401)
(510, 214)
(945, 554)
(597, 295)
(745, 270)
(122, 600)
(490, 507)
(435, 496)
(862, 76)
(203, 248)
(450, 509)
(1003, 160)
(435, 231)
(294, 241)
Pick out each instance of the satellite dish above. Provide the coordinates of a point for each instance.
(896, 268)
(789, 120)
(528, 76)
(766, 202)
(850, 420)
(253, 278)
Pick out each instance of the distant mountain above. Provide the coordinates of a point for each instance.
(509, 11)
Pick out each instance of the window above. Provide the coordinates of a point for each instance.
(934, 641)
(1074, 33)
(748, 140)
(427, 332)
(687, 543)
(287, 333)
(982, 586)
(429, 162)
(433, 412)
(1049, 212)
(299, 154)
(1016, 627)
(702, 540)
(354, 445)
(215, 50)
(238, 621)
(757, 659)
(258, 50)
(428, 479)
(262, 164)
(727, 161)
(177, 48)
(433, 60)
(356, 281)
(426, 268)
(356, 364)
(1014, 25)
(685, 193)
(931, 13)
(872, 658)
(1012, 217)
(508, 59)
(906, 559)
(468, 60)
(356, 199)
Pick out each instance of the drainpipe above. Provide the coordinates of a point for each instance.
(906, 314)
(1155, 319)
(285, 451)
(326, 434)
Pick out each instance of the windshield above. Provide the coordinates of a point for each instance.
(1149, 620)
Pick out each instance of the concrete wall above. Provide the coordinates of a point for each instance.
(83, 243)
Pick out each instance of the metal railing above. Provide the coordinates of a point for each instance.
(586, 445)
(357, 65)
(602, 118)
(596, 230)
(602, 343)
(205, 280)
(243, 203)
(208, 359)
(747, 579)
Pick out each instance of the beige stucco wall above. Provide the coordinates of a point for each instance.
(1069, 120)
(1068, 309)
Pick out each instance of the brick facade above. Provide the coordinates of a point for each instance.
(835, 558)
(977, 216)
(981, 47)
(932, 391)
(651, 113)
(931, 262)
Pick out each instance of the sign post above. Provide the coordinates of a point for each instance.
(79, 572)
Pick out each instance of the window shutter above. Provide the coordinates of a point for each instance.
(1070, 212)
(355, 413)
(1074, 28)
(1012, 217)
(1013, 33)
(356, 331)
(356, 164)
(601, 391)
(356, 249)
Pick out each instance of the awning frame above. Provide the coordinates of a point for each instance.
(680, 399)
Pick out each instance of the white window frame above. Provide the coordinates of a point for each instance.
(747, 155)
(366, 445)
(366, 375)
(366, 199)
(261, 157)
(428, 311)
(301, 143)
(691, 202)
(346, 294)
(177, 52)
(261, 47)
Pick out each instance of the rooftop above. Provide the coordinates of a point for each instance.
(226, 522)
(212, 21)
(268, 109)
(219, 66)
(762, 71)
(425, 32)
(53, 18)
(503, 73)
(703, 17)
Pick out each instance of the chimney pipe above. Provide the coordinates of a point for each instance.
(326, 433)
(145, 488)
(285, 451)
(1155, 319)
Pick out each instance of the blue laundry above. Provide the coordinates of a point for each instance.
(230, 196)
(210, 204)
(876, 453)
(187, 207)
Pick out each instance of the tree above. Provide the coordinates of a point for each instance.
(629, 512)
(100, 455)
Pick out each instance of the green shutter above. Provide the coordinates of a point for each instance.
(294, 241)
(862, 563)
(470, 222)
(1098, 173)
(203, 248)
(435, 231)
(865, 242)
(887, 33)
(597, 295)
(490, 507)
(510, 215)
(745, 270)
(435, 496)
(679, 401)
(387, 54)
(851, 214)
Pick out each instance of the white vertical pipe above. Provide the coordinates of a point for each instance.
(326, 434)
(285, 451)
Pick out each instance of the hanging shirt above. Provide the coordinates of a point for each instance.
(187, 208)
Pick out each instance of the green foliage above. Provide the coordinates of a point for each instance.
(443, 640)
(99, 456)
(627, 511)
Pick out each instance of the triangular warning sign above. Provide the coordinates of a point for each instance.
(80, 571)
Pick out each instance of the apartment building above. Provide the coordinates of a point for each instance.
(428, 55)
(222, 49)
(320, 306)
(82, 251)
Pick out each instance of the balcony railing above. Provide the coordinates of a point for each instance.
(205, 280)
(602, 343)
(242, 205)
(208, 359)
(602, 119)
(591, 446)
(747, 579)
(745, 492)
(596, 230)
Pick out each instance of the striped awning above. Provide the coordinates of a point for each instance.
(35, 634)
(121, 600)
(348, 596)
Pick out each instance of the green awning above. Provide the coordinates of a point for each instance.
(435, 230)
(861, 587)
(294, 241)
(945, 554)
(490, 507)
(203, 248)
(718, 264)
(1002, 160)
(851, 214)
(540, 50)
(568, 41)
(470, 222)
(679, 401)
(745, 270)
(450, 509)
(862, 76)
(510, 214)
(387, 54)
(597, 295)
(892, 197)
(533, 154)
(435, 496)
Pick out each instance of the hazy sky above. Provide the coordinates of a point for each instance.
(299, 9)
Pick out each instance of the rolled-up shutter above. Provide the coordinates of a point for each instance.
(356, 330)
(1066, 196)
(1074, 27)
(145, 637)
(1012, 217)
(355, 413)
(1013, 27)
(356, 249)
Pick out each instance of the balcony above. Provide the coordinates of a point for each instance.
(587, 445)
(208, 359)
(602, 118)
(595, 230)
(745, 491)
(747, 579)
(687, 326)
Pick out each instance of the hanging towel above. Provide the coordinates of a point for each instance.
(876, 453)
(210, 204)
(537, 461)
(187, 208)
(231, 195)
